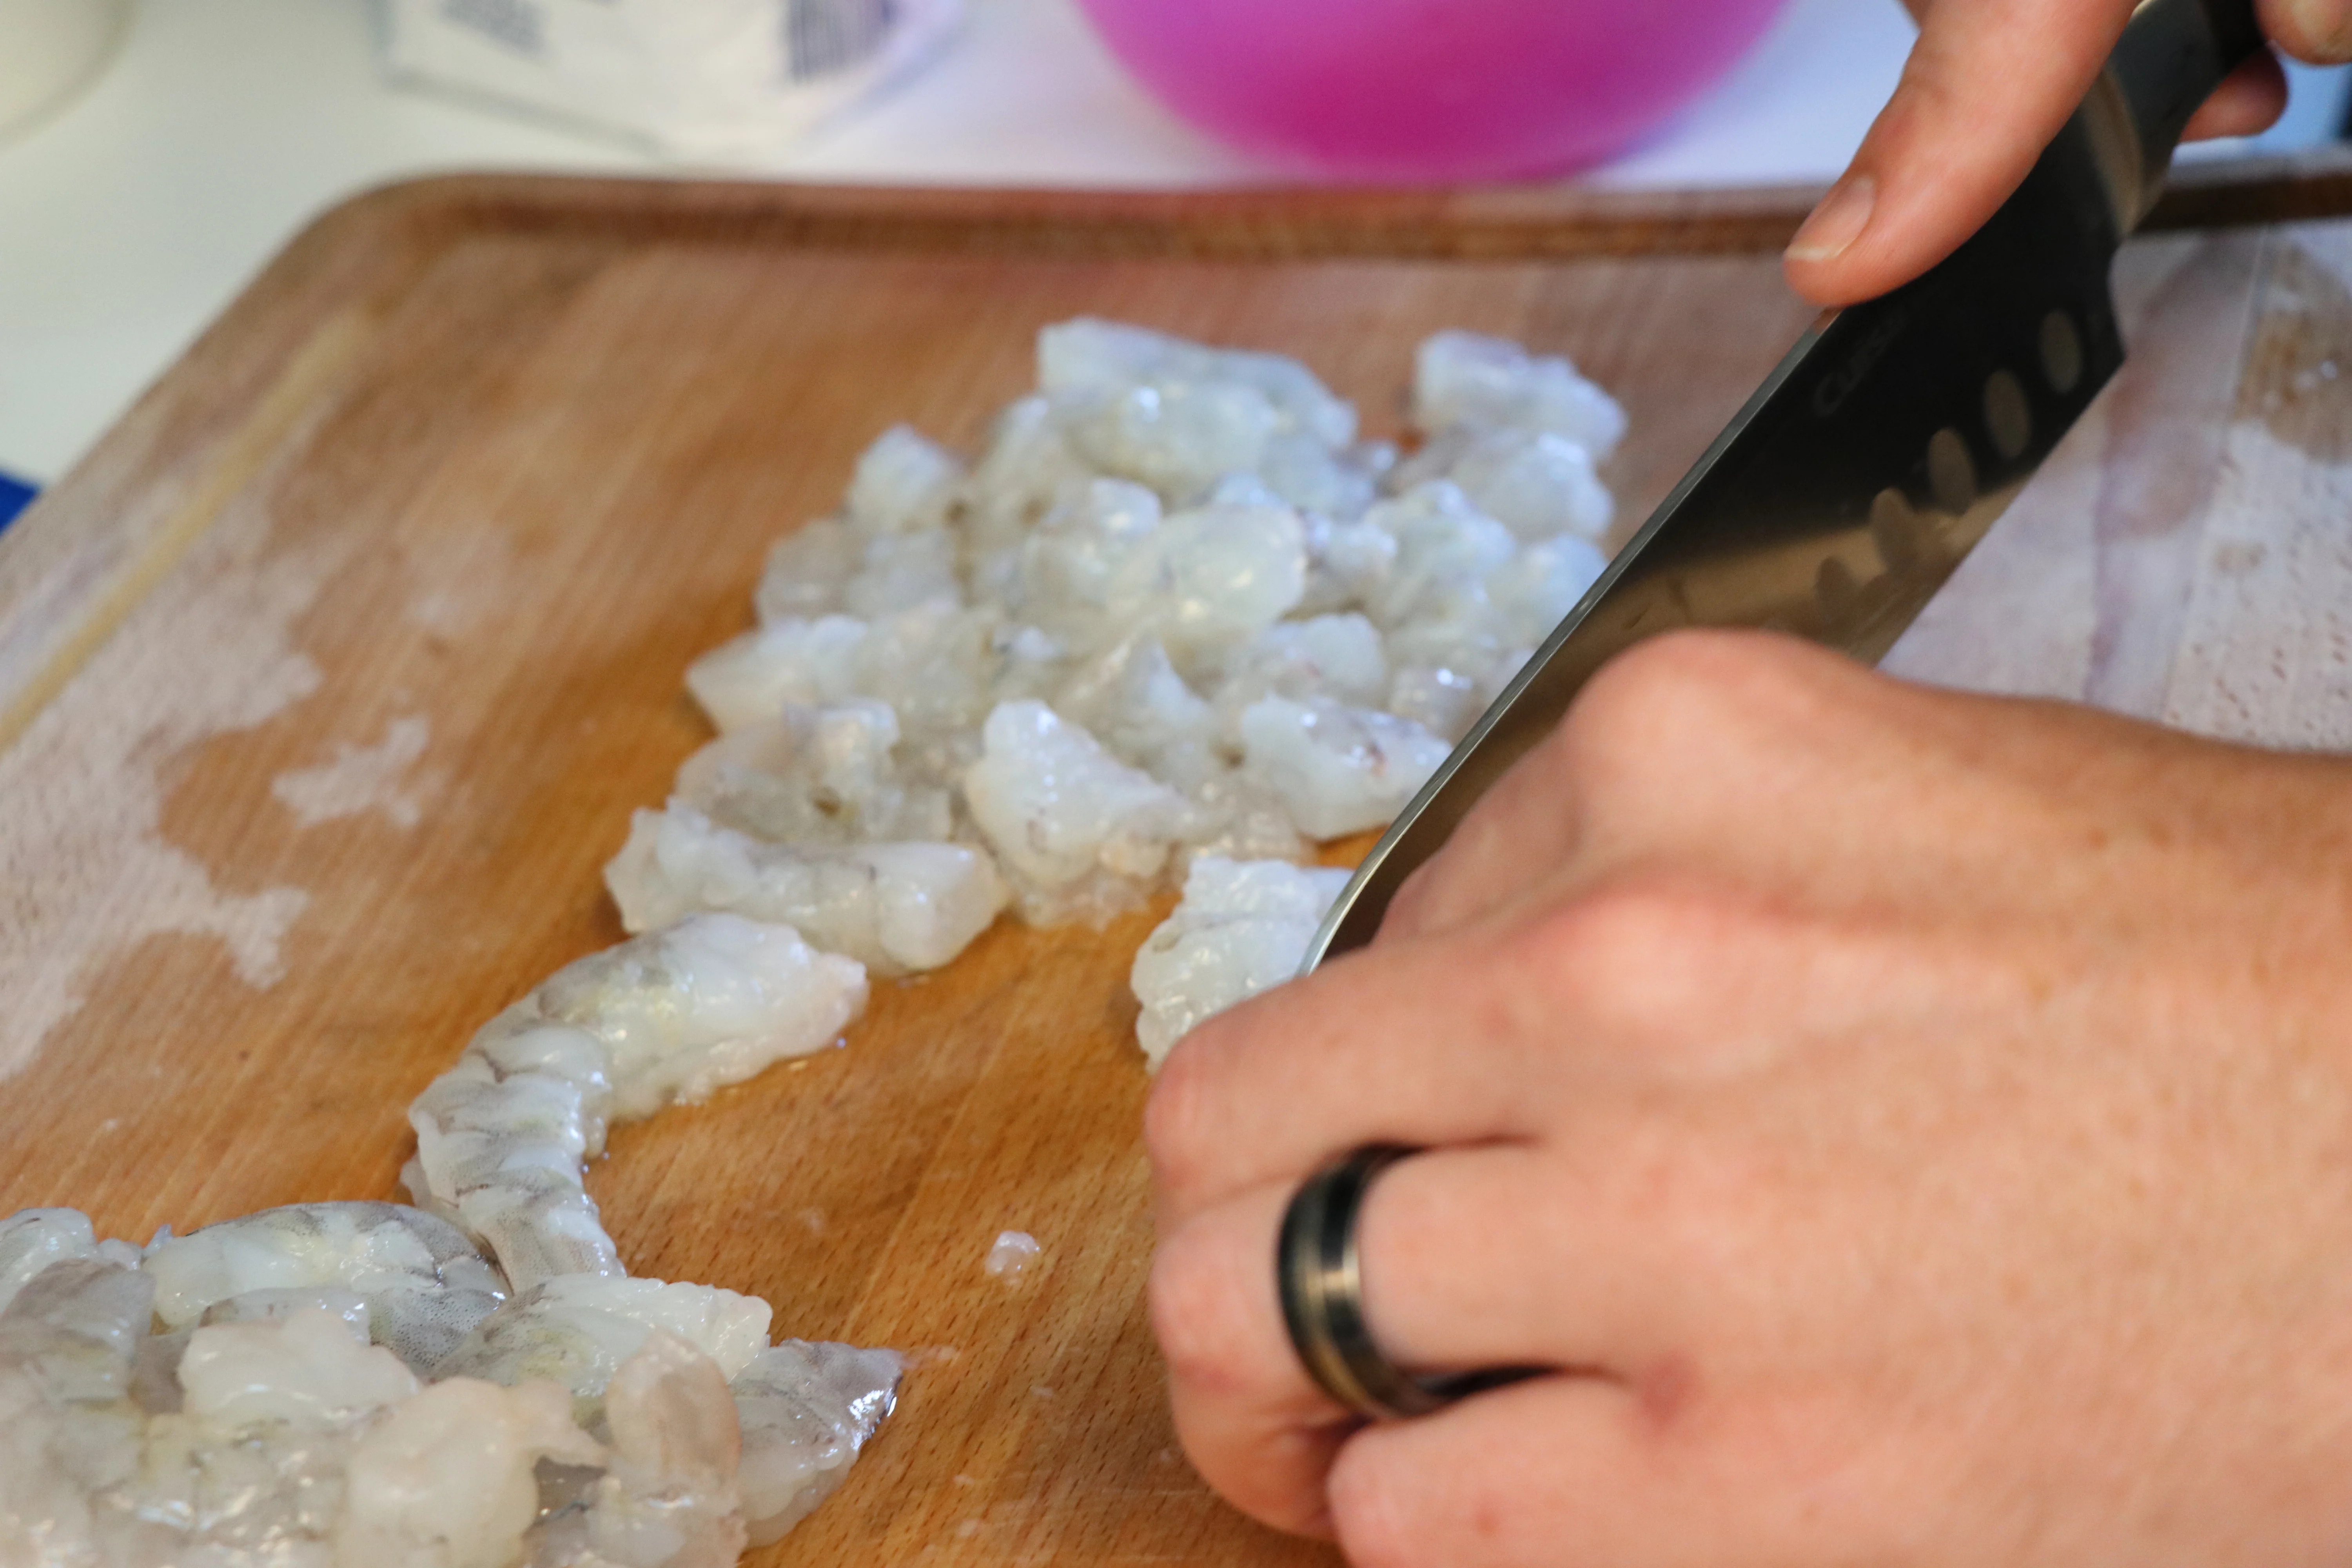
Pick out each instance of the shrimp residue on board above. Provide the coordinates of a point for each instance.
(360, 779)
(1011, 1255)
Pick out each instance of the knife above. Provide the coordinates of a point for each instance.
(1882, 447)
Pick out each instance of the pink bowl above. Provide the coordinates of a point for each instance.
(1430, 90)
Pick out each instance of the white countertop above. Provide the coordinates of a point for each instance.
(130, 219)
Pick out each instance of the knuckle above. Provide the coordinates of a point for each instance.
(1629, 927)
(1665, 910)
(1660, 674)
(1687, 688)
(1635, 954)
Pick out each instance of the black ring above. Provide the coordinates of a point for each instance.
(1323, 1291)
(1322, 1285)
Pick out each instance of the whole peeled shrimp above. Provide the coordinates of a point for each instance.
(672, 1015)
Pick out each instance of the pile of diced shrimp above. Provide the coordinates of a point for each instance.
(1176, 624)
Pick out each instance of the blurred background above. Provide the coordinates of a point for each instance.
(155, 154)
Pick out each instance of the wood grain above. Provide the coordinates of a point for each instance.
(327, 685)
(2185, 555)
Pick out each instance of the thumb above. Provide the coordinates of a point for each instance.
(1988, 84)
(2317, 31)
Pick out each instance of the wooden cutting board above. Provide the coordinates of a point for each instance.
(328, 683)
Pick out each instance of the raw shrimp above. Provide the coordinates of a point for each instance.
(1177, 607)
(422, 1283)
(32, 1239)
(262, 1426)
(702, 1004)
(672, 1015)
(577, 1329)
(1080, 832)
(895, 908)
(1177, 619)
(1466, 379)
(827, 773)
(1338, 770)
(296, 1443)
(1241, 928)
(806, 1410)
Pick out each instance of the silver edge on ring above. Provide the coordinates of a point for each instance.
(1322, 1285)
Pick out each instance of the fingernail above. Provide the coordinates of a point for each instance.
(1838, 222)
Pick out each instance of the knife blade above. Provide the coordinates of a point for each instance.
(1882, 447)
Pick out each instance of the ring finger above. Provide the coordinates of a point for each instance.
(1508, 1255)
(1472, 1258)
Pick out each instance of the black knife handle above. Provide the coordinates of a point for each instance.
(2172, 54)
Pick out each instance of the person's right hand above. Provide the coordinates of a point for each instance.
(1918, 1126)
(1988, 84)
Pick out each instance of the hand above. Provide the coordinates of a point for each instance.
(1988, 85)
(1918, 1125)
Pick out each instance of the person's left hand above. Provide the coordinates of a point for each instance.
(1917, 1126)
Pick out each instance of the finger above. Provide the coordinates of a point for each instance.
(1652, 726)
(1254, 1425)
(1444, 1041)
(2316, 31)
(1987, 85)
(1510, 1257)
(1676, 751)
(1525, 824)
(2249, 100)
(1578, 1472)
(1553, 1472)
